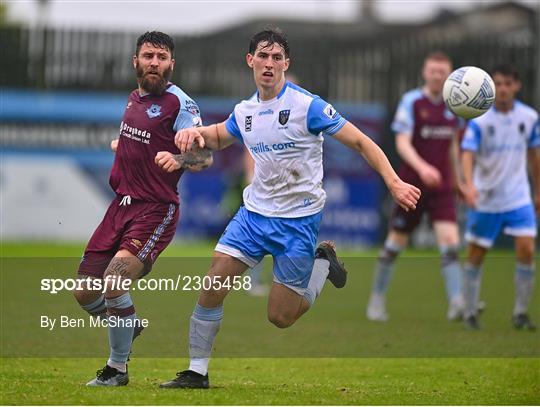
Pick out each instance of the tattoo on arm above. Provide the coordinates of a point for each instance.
(195, 160)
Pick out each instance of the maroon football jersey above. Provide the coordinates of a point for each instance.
(149, 125)
(432, 127)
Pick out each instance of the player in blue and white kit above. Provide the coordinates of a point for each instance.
(497, 190)
(283, 127)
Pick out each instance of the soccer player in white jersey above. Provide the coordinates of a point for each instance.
(494, 163)
(283, 127)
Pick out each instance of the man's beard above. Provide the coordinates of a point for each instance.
(153, 84)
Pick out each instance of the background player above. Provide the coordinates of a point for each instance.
(141, 220)
(282, 125)
(427, 142)
(494, 163)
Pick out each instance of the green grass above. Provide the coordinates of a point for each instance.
(331, 356)
(282, 382)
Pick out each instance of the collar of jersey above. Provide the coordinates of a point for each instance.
(281, 92)
(169, 84)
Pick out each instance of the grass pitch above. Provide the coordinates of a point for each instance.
(331, 356)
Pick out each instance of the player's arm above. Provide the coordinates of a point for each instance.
(454, 159)
(213, 137)
(404, 194)
(534, 165)
(427, 172)
(468, 189)
(196, 159)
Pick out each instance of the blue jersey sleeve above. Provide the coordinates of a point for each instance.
(189, 114)
(322, 117)
(404, 117)
(232, 127)
(534, 139)
(472, 138)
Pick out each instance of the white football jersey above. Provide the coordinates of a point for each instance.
(284, 136)
(500, 142)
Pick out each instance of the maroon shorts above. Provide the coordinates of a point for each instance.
(439, 204)
(142, 228)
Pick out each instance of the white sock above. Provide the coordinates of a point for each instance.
(317, 279)
(199, 365)
(524, 281)
(121, 367)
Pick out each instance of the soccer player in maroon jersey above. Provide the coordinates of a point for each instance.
(427, 142)
(141, 221)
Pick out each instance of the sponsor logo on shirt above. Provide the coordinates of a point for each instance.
(437, 132)
(192, 107)
(266, 112)
(247, 124)
(134, 133)
(153, 111)
(284, 116)
(265, 148)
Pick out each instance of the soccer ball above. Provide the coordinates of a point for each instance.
(469, 92)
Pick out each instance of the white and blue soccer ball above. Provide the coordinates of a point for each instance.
(469, 92)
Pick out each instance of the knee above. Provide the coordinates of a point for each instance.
(84, 297)
(281, 320)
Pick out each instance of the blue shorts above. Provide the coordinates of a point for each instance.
(483, 227)
(250, 236)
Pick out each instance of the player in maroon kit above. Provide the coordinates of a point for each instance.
(141, 220)
(427, 141)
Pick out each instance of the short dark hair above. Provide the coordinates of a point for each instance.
(506, 70)
(270, 36)
(438, 56)
(157, 39)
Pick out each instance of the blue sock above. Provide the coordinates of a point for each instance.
(524, 281)
(120, 337)
(385, 267)
(203, 328)
(451, 271)
(471, 288)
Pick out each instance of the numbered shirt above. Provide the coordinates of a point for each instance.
(284, 136)
(500, 142)
(432, 127)
(149, 125)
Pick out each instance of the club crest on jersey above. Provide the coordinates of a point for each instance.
(330, 111)
(153, 111)
(284, 116)
(248, 123)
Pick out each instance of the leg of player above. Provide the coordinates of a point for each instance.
(471, 284)
(395, 242)
(287, 303)
(205, 322)
(92, 301)
(120, 309)
(524, 282)
(448, 240)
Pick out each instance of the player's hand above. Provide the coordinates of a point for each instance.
(185, 138)
(430, 176)
(114, 145)
(167, 161)
(537, 203)
(470, 195)
(405, 195)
